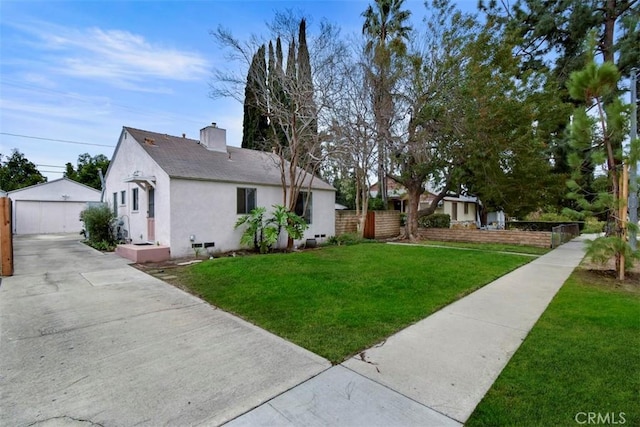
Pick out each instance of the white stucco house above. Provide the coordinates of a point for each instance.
(51, 207)
(178, 192)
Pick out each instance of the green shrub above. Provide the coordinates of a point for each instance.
(346, 239)
(549, 216)
(98, 224)
(103, 246)
(435, 221)
(376, 204)
(593, 226)
(540, 225)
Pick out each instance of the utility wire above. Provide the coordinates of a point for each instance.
(56, 140)
(52, 166)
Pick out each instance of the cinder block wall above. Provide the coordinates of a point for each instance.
(540, 239)
(346, 222)
(387, 224)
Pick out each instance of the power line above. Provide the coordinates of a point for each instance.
(56, 140)
(52, 166)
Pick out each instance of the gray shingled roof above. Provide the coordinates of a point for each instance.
(186, 158)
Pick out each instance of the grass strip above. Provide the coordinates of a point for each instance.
(579, 365)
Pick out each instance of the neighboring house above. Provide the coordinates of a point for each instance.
(463, 210)
(51, 207)
(177, 192)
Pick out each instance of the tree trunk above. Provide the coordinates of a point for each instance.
(609, 31)
(411, 227)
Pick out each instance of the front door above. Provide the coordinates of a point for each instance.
(151, 213)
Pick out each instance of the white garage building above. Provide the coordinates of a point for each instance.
(51, 207)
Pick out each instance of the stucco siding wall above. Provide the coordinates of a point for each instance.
(468, 217)
(323, 216)
(447, 208)
(129, 158)
(208, 211)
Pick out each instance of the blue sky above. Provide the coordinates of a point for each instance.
(80, 70)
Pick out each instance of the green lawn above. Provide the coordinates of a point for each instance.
(583, 356)
(337, 301)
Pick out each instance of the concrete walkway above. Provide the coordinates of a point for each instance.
(433, 373)
(87, 340)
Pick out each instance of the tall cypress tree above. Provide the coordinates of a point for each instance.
(255, 125)
(307, 107)
(291, 73)
(279, 58)
(276, 92)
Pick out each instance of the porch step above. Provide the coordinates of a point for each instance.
(144, 253)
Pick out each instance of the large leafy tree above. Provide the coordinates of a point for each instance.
(552, 35)
(471, 125)
(87, 170)
(16, 171)
(386, 30)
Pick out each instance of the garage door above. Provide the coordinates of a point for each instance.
(31, 217)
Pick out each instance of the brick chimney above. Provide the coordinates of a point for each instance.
(214, 138)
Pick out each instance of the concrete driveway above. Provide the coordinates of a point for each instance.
(85, 339)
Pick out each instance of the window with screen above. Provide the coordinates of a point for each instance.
(246, 200)
(304, 205)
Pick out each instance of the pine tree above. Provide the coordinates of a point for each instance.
(601, 135)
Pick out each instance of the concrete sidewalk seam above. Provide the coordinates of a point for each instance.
(395, 391)
(268, 402)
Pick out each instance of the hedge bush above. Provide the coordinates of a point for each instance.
(540, 225)
(98, 224)
(347, 239)
(435, 221)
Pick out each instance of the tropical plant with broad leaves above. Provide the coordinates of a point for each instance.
(262, 231)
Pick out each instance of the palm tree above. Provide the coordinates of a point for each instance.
(385, 27)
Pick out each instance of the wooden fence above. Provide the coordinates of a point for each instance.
(6, 239)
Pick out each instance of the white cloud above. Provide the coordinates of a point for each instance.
(120, 58)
